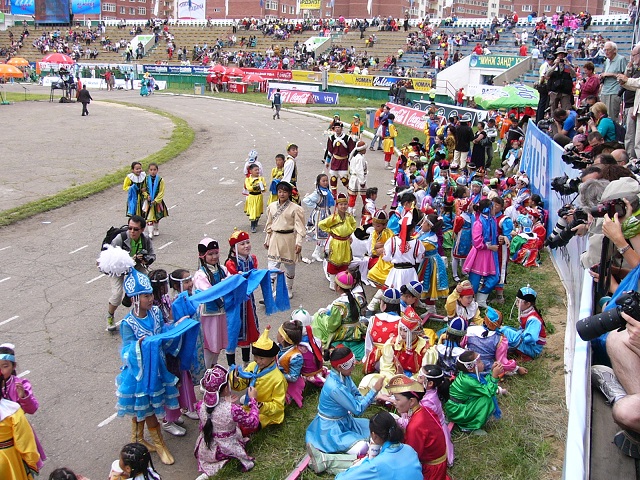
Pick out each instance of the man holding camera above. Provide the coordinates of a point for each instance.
(560, 79)
(140, 248)
(629, 83)
(564, 126)
(614, 65)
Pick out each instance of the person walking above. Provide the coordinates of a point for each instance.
(276, 103)
(84, 97)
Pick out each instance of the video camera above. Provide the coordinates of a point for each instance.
(584, 115)
(577, 160)
(565, 186)
(563, 232)
(595, 325)
(613, 206)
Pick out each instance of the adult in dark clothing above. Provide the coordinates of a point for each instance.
(560, 78)
(84, 97)
(401, 98)
(479, 154)
(464, 136)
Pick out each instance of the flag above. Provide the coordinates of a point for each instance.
(369, 6)
(261, 3)
(226, 7)
(297, 7)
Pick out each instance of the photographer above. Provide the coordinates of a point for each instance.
(560, 79)
(564, 123)
(600, 122)
(624, 231)
(140, 248)
(632, 138)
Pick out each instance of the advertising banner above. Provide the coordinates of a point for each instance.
(309, 4)
(52, 11)
(23, 7)
(191, 9)
(503, 62)
(446, 111)
(292, 96)
(418, 84)
(269, 74)
(85, 7)
(294, 86)
(409, 117)
(325, 98)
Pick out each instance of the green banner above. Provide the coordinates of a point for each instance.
(1, 17)
(494, 61)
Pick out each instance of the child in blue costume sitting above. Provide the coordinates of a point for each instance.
(531, 337)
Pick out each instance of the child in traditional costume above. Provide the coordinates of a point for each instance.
(378, 267)
(473, 396)
(421, 425)
(157, 208)
(436, 387)
(339, 227)
(358, 168)
(462, 231)
(451, 345)
(277, 173)
(448, 219)
(134, 463)
(255, 185)
(136, 188)
(18, 390)
(321, 201)
(531, 337)
(290, 359)
(213, 319)
(335, 429)
(252, 159)
(340, 321)
(526, 245)
(381, 329)
(264, 375)
(432, 271)
(221, 420)
(356, 128)
(461, 303)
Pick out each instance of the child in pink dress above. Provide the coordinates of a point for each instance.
(18, 389)
(220, 418)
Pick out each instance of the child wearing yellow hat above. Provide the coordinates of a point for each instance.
(263, 374)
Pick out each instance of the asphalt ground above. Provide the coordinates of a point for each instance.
(53, 300)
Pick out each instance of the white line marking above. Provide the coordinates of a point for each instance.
(199, 192)
(232, 162)
(238, 203)
(173, 206)
(97, 278)
(10, 319)
(211, 221)
(4, 248)
(67, 225)
(22, 374)
(236, 168)
(171, 180)
(221, 179)
(46, 223)
(165, 245)
(107, 421)
(4, 279)
(77, 249)
(214, 168)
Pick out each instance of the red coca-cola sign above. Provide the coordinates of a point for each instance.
(270, 74)
(409, 117)
(295, 96)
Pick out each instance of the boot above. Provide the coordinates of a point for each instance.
(161, 447)
(317, 254)
(481, 298)
(254, 226)
(332, 463)
(374, 304)
(499, 297)
(289, 282)
(332, 283)
(156, 229)
(150, 229)
(137, 435)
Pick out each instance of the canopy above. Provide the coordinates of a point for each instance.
(235, 72)
(218, 69)
(10, 71)
(253, 78)
(18, 62)
(511, 96)
(60, 58)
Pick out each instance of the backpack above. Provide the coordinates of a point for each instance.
(112, 233)
(620, 132)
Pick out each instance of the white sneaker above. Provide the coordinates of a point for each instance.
(191, 415)
(174, 429)
(204, 476)
(156, 232)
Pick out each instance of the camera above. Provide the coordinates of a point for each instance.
(582, 111)
(595, 325)
(565, 186)
(545, 125)
(577, 160)
(613, 206)
(563, 232)
(146, 258)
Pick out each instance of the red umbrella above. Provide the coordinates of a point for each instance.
(235, 72)
(253, 78)
(218, 69)
(59, 58)
(210, 78)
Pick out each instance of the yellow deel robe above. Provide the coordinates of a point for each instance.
(276, 174)
(452, 311)
(339, 248)
(16, 427)
(253, 206)
(378, 273)
(271, 390)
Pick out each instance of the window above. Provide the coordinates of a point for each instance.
(559, 9)
(292, 10)
(123, 10)
(527, 8)
(284, 9)
(132, 11)
(142, 1)
(271, 5)
(547, 8)
(108, 7)
(142, 11)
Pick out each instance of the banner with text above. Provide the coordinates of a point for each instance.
(191, 9)
(85, 7)
(23, 7)
(503, 62)
(294, 86)
(409, 117)
(445, 110)
(292, 96)
(418, 84)
(309, 4)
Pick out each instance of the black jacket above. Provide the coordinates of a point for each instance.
(84, 96)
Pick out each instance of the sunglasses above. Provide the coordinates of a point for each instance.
(135, 229)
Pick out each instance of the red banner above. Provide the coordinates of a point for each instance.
(271, 74)
(237, 87)
(295, 96)
(409, 117)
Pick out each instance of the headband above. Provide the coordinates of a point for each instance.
(344, 363)
(181, 280)
(470, 364)
(431, 377)
(284, 335)
(7, 356)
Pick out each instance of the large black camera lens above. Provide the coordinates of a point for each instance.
(595, 325)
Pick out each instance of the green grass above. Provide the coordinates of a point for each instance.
(20, 97)
(181, 138)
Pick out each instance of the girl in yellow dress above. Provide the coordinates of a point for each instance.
(339, 226)
(253, 206)
(277, 173)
